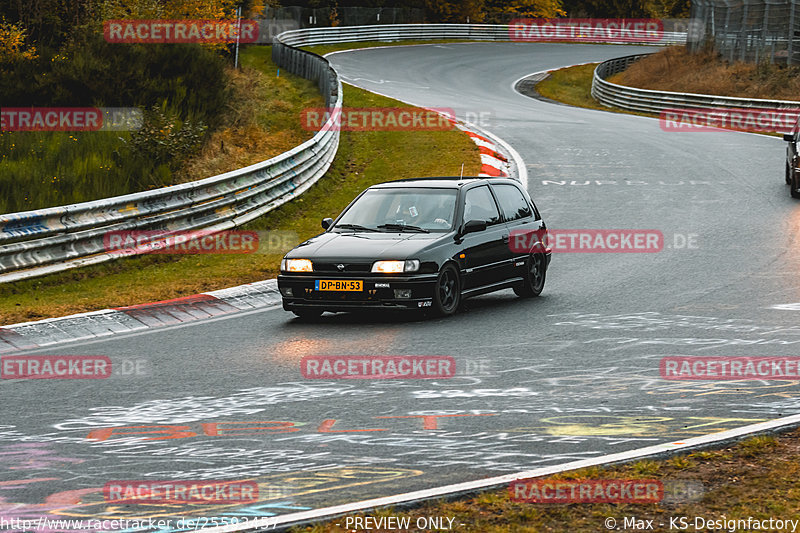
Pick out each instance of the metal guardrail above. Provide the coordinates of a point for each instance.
(650, 101)
(44, 241)
(405, 32)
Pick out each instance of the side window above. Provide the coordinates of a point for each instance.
(513, 203)
(479, 204)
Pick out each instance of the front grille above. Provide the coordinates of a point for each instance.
(348, 267)
(333, 296)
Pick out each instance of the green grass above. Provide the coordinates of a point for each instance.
(282, 97)
(363, 159)
(573, 86)
(262, 121)
(569, 85)
(45, 169)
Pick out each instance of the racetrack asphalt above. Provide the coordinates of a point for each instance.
(572, 374)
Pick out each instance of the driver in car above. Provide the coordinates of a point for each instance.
(420, 211)
(434, 209)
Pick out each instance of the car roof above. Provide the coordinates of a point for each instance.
(443, 182)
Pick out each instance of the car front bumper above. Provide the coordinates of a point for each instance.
(297, 292)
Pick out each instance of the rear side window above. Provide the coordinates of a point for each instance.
(480, 205)
(512, 202)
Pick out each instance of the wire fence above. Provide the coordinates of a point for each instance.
(307, 17)
(276, 20)
(748, 30)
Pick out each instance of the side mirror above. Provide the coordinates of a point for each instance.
(788, 137)
(326, 223)
(474, 226)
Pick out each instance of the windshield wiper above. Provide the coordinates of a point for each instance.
(356, 227)
(403, 227)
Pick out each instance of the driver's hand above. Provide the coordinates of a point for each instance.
(442, 221)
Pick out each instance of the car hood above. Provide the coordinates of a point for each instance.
(365, 246)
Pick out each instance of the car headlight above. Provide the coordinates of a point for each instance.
(296, 265)
(396, 267)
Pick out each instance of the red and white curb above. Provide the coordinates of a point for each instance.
(493, 163)
(471, 487)
(119, 320)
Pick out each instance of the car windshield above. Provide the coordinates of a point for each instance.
(416, 210)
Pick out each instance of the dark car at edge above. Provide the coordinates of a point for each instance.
(422, 244)
(792, 161)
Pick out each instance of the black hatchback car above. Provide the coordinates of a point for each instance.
(421, 244)
(792, 162)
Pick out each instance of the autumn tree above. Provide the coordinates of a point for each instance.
(504, 11)
(668, 8)
(444, 11)
(167, 9)
(605, 8)
(47, 22)
(13, 47)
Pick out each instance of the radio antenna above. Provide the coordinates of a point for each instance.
(462, 170)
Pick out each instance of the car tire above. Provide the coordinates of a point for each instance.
(788, 174)
(793, 186)
(447, 292)
(535, 274)
(307, 313)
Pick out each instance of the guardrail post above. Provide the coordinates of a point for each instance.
(790, 46)
(743, 31)
(765, 26)
(726, 31)
(694, 37)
